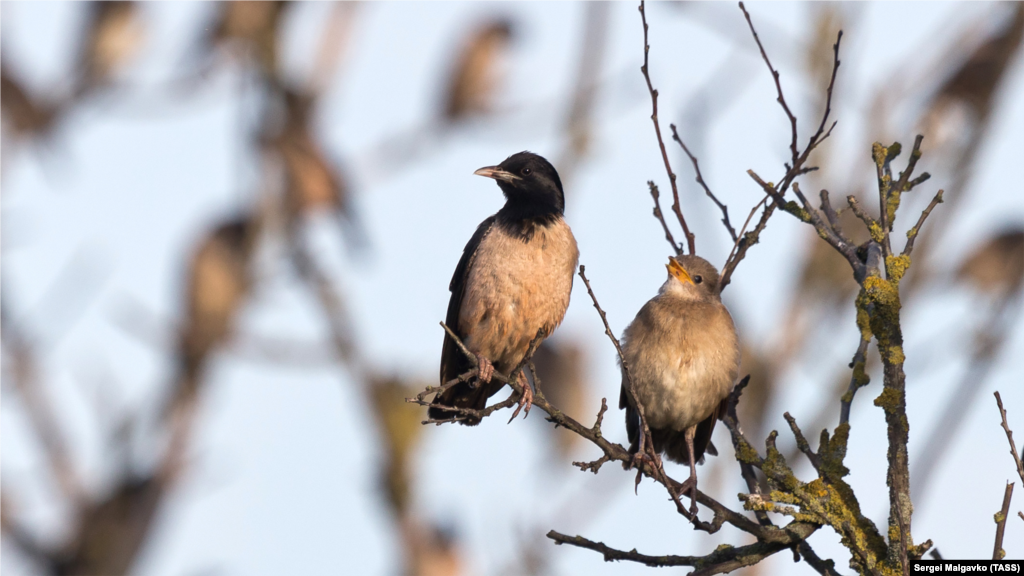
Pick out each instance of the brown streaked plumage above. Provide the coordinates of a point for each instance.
(514, 278)
(683, 357)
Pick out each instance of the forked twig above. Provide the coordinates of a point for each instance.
(690, 240)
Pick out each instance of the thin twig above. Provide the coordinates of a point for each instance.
(858, 379)
(778, 86)
(743, 242)
(860, 213)
(1009, 437)
(656, 195)
(700, 180)
(797, 168)
(801, 441)
(997, 552)
(690, 240)
(913, 232)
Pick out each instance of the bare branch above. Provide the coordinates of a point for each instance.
(860, 213)
(690, 241)
(661, 217)
(745, 241)
(801, 441)
(997, 552)
(722, 560)
(778, 86)
(700, 180)
(858, 379)
(913, 232)
(1009, 437)
(793, 170)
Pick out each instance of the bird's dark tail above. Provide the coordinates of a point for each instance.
(673, 443)
(472, 395)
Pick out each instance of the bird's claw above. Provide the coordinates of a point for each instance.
(525, 399)
(639, 459)
(485, 370)
(689, 486)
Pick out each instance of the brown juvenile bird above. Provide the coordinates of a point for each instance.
(683, 355)
(514, 278)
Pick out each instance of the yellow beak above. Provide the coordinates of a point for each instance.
(676, 269)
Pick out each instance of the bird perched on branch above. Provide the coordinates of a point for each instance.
(217, 285)
(513, 281)
(682, 356)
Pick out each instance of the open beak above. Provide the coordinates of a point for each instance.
(497, 173)
(675, 269)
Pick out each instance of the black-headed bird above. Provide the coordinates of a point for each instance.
(682, 355)
(513, 280)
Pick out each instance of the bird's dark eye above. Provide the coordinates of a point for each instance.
(698, 279)
(526, 171)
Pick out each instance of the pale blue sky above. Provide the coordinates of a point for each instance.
(284, 472)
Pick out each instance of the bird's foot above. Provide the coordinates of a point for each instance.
(485, 370)
(525, 399)
(690, 486)
(639, 459)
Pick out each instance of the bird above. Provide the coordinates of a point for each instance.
(218, 283)
(682, 355)
(511, 284)
(113, 35)
(250, 31)
(476, 76)
(997, 266)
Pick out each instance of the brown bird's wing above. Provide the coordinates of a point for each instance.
(453, 361)
(632, 420)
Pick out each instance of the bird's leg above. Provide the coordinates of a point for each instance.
(691, 482)
(485, 369)
(525, 399)
(642, 456)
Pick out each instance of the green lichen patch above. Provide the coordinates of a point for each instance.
(896, 267)
(889, 399)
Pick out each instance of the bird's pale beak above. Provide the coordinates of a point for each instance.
(677, 270)
(497, 173)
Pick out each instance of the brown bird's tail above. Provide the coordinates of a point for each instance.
(670, 442)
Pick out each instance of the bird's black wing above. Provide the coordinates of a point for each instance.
(632, 419)
(453, 361)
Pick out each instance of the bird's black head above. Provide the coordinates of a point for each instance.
(531, 185)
